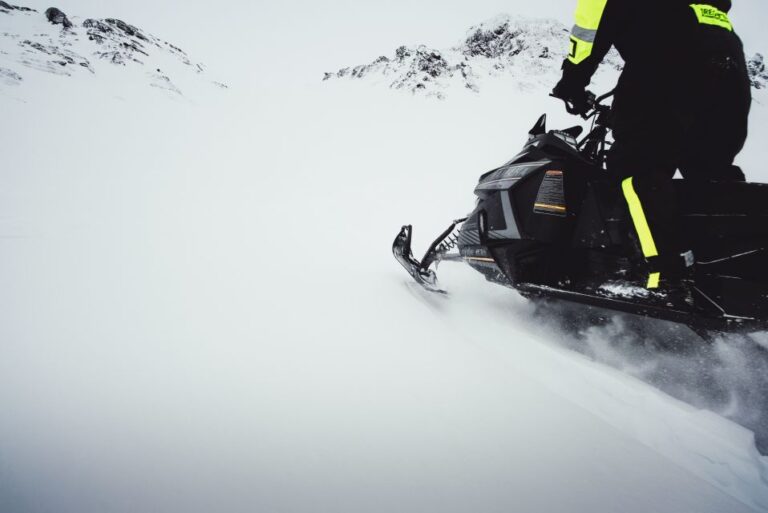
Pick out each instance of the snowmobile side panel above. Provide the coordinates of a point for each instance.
(591, 230)
(508, 175)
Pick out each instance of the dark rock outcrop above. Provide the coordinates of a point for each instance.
(122, 42)
(125, 28)
(6, 7)
(9, 77)
(96, 27)
(758, 75)
(57, 17)
(112, 26)
(51, 58)
(494, 42)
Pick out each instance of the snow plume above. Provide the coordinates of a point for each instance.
(728, 376)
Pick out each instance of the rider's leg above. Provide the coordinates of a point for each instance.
(654, 227)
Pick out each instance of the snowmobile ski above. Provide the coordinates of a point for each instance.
(438, 251)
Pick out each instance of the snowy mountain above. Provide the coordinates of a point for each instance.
(757, 71)
(529, 50)
(51, 42)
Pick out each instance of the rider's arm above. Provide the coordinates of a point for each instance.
(597, 23)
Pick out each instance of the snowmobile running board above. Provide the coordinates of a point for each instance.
(703, 326)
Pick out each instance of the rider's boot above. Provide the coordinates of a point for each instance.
(673, 277)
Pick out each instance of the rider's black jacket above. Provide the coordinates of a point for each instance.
(663, 42)
(684, 91)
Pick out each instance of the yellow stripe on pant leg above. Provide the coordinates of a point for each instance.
(638, 218)
(647, 244)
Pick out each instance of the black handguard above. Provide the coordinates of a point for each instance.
(577, 104)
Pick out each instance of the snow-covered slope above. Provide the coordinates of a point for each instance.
(199, 312)
(757, 71)
(529, 50)
(51, 42)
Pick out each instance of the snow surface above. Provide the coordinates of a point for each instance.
(200, 312)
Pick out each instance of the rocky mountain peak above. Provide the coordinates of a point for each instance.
(6, 7)
(757, 72)
(529, 52)
(57, 44)
(505, 36)
(529, 49)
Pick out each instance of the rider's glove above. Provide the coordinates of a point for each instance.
(577, 101)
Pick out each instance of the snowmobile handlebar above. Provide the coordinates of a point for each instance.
(597, 105)
(591, 107)
(594, 146)
(577, 109)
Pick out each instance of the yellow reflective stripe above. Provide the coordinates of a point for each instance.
(588, 16)
(638, 218)
(653, 280)
(709, 15)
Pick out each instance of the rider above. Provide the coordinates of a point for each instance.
(682, 102)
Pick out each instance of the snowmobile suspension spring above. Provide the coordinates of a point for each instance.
(448, 244)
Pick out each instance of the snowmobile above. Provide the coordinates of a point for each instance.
(552, 223)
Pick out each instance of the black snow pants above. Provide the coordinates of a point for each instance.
(696, 122)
